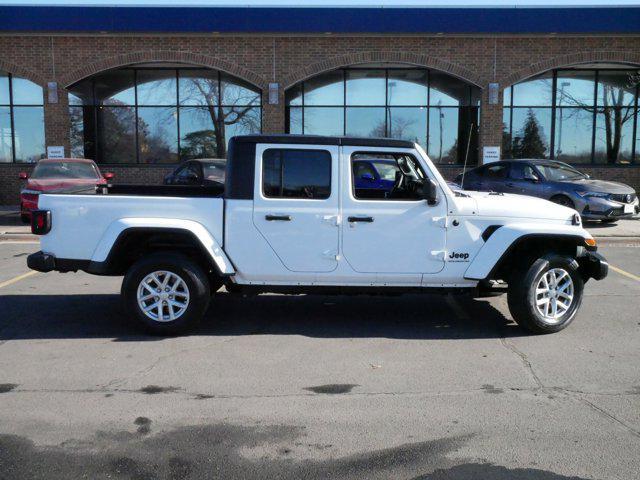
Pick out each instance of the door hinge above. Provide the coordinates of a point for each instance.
(438, 254)
(331, 254)
(332, 219)
(440, 221)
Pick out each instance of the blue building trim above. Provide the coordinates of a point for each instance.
(285, 20)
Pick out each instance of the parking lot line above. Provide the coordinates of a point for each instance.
(626, 274)
(17, 279)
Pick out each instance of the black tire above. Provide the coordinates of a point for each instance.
(522, 297)
(196, 282)
(564, 201)
(25, 218)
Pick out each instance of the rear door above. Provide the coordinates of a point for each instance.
(296, 206)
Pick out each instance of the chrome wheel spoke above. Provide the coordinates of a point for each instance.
(554, 295)
(163, 296)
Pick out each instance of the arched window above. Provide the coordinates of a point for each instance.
(586, 114)
(436, 110)
(21, 119)
(160, 114)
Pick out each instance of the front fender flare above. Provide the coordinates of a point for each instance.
(507, 236)
(201, 234)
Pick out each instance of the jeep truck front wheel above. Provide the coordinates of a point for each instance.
(544, 297)
(166, 293)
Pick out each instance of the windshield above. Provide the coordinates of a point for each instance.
(45, 170)
(557, 172)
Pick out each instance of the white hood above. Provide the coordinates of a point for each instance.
(520, 206)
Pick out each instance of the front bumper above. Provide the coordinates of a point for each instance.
(593, 265)
(603, 209)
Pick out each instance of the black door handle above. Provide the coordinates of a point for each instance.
(282, 218)
(360, 219)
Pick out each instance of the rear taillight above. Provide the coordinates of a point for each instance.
(40, 222)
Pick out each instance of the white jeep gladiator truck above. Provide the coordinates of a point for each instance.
(331, 215)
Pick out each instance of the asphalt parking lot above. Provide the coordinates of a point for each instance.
(316, 387)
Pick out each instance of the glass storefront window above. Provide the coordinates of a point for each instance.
(574, 128)
(389, 102)
(365, 87)
(4, 89)
(324, 121)
(6, 140)
(443, 135)
(325, 90)
(164, 115)
(156, 87)
(614, 135)
(115, 87)
(535, 92)
(531, 133)
(21, 120)
(408, 87)
(198, 87)
(365, 121)
(116, 134)
(408, 123)
(593, 112)
(158, 134)
(197, 134)
(617, 89)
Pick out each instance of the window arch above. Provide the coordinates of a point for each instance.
(583, 114)
(21, 119)
(160, 113)
(434, 109)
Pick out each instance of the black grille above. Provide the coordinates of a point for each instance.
(624, 198)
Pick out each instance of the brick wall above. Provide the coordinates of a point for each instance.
(287, 60)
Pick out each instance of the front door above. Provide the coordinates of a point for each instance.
(295, 204)
(398, 233)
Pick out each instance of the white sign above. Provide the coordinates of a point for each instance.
(55, 152)
(490, 154)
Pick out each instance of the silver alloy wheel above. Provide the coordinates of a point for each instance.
(554, 295)
(163, 296)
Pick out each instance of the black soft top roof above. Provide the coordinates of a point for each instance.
(323, 140)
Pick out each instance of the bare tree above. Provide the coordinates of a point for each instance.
(224, 104)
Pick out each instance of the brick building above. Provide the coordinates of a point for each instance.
(140, 89)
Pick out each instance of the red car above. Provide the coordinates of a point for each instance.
(58, 175)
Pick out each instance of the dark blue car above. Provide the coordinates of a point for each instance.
(558, 182)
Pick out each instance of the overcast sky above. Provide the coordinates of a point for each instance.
(324, 3)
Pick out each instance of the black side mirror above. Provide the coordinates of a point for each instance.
(430, 191)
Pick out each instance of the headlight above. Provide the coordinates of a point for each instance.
(593, 194)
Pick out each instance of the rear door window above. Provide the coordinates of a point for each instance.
(296, 173)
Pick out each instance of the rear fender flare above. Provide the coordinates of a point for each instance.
(507, 236)
(197, 230)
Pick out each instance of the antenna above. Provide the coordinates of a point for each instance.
(466, 155)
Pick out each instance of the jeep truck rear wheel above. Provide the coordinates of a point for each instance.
(544, 297)
(166, 293)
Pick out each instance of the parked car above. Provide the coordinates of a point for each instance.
(72, 175)
(201, 172)
(556, 181)
(290, 220)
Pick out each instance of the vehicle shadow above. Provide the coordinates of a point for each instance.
(409, 317)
